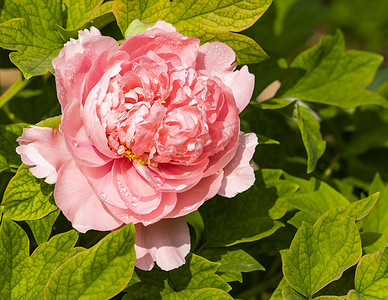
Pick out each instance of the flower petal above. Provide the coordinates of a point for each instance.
(79, 203)
(239, 174)
(193, 198)
(166, 242)
(75, 60)
(35, 148)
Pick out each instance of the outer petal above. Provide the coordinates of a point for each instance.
(239, 174)
(216, 59)
(190, 200)
(242, 84)
(79, 203)
(77, 140)
(36, 148)
(75, 60)
(166, 242)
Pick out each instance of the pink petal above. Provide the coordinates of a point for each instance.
(167, 27)
(193, 198)
(166, 242)
(242, 84)
(167, 204)
(36, 148)
(77, 140)
(216, 59)
(101, 180)
(79, 203)
(239, 174)
(75, 60)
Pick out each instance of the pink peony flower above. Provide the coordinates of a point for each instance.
(149, 131)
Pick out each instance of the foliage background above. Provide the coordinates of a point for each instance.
(241, 241)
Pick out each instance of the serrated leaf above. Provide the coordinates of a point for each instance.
(233, 262)
(372, 275)
(320, 254)
(84, 14)
(23, 277)
(244, 218)
(8, 135)
(99, 272)
(196, 275)
(377, 220)
(206, 20)
(41, 228)
(28, 26)
(327, 74)
(314, 198)
(27, 197)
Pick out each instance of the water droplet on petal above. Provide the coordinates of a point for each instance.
(134, 204)
(75, 143)
(103, 196)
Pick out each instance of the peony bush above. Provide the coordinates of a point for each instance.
(193, 149)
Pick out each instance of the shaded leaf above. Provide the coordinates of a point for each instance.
(41, 228)
(195, 277)
(8, 135)
(233, 261)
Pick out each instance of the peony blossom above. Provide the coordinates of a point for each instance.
(149, 131)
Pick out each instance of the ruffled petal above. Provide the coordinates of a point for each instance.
(190, 200)
(75, 60)
(166, 242)
(77, 140)
(242, 83)
(239, 174)
(216, 59)
(36, 148)
(79, 203)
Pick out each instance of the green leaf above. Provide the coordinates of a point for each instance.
(308, 125)
(372, 241)
(23, 277)
(137, 27)
(313, 199)
(311, 136)
(233, 261)
(195, 277)
(208, 21)
(377, 220)
(100, 272)
(244, 218)
(289, 294)
(84, 14)
(277, 294)
(27, 197)
(42, 228)
(328, 298)
(8, 135)
(28, 26)
(327, 74)
(195, 220)
(320, 254)
(372, 275)
(354, 295)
